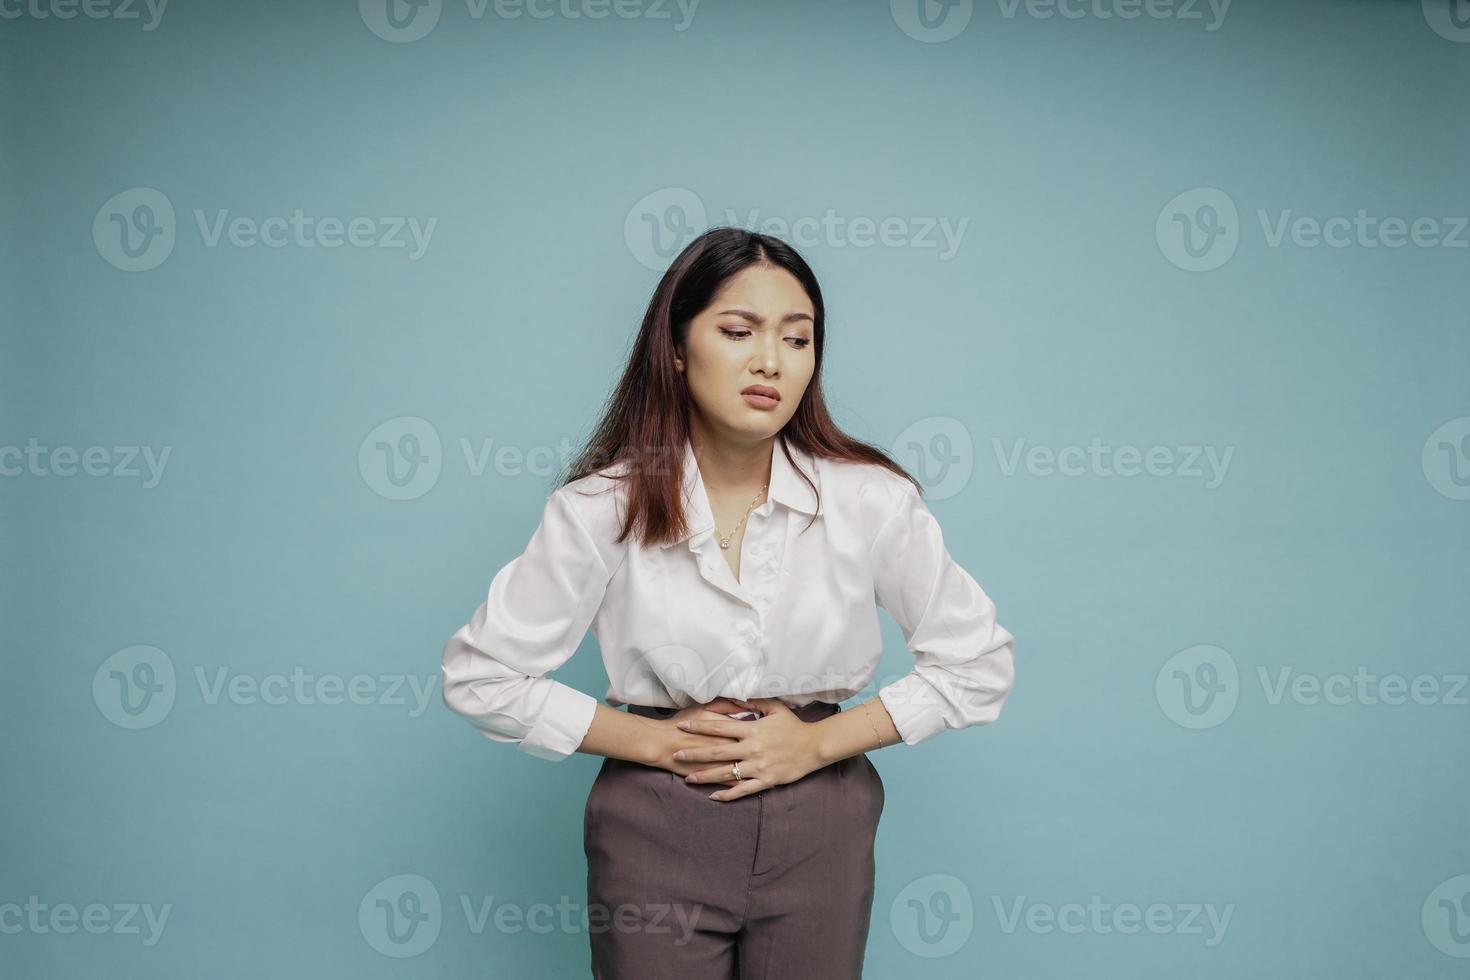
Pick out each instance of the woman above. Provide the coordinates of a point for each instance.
(728, 545)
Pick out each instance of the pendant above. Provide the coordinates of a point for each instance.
(725, 545)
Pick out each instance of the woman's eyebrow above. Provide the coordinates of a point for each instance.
(746, 314)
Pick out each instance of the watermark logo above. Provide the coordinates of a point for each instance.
(134, 230)
(1362, 230)
(940, 233)
(1199, 229)
(401, 459)
(932, 21)
(1446, 459)
(1195, 462)
(135, 687)
(35, 459)
(40, 918)
(1181, 10)
(1450, 19)
(400, 21)
(939, 451)
(933, 916)
(403, 21)
(1362, 687)
(703, 674)
(401, 916)
(1101, 918)
(1446, 917)
(1198, 687)
(91, 9)
(661, 223)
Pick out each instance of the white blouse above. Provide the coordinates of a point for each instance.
(676, 627)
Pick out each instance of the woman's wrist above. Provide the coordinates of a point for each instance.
(850, 732)
(625, 735)
(657, 743)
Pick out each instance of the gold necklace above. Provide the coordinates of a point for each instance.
(726, 539)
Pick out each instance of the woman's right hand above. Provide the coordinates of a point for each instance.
(719, 710)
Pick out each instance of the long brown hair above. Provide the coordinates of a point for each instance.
(647, 414)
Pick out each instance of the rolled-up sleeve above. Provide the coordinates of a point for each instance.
(535, 616)
(964, 666)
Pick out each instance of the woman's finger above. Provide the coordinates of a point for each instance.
(723, 705)
(745, 788)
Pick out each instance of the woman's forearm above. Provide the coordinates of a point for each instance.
(637, 738)
(624, 735)
(854, 730)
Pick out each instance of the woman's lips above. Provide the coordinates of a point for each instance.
(755, 400)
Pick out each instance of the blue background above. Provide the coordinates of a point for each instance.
(561, 158)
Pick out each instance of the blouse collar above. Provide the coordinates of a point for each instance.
(787, 488)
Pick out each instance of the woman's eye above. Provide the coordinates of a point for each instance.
(801, 342)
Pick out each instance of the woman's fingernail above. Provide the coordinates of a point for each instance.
(689, 778)
(684, 725)
(679, 755)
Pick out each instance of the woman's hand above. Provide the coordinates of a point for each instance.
(773, 750)
(716, 710)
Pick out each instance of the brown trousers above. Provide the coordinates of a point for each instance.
(776, 885)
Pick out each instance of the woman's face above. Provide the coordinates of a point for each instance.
(758, 332)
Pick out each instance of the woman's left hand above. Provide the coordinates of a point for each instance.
(772, 750)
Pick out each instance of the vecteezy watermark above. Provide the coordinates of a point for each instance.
(121, 462)
(1445, 459)
(97, 918)
(662, 222)
(933, 916)
(1200, 229)
(705, 674)
(91, 9)
(933, 21)
(1211, 13)
(402, 21)
(1206, 463)
(1101, 918)
(832, 230)
(939, 451)
(1362, 687)
(402, 458)
(1200, 686)
(136, 688)
(1450, 19)
(135, 230)
(402, 916)
(1445, 917)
